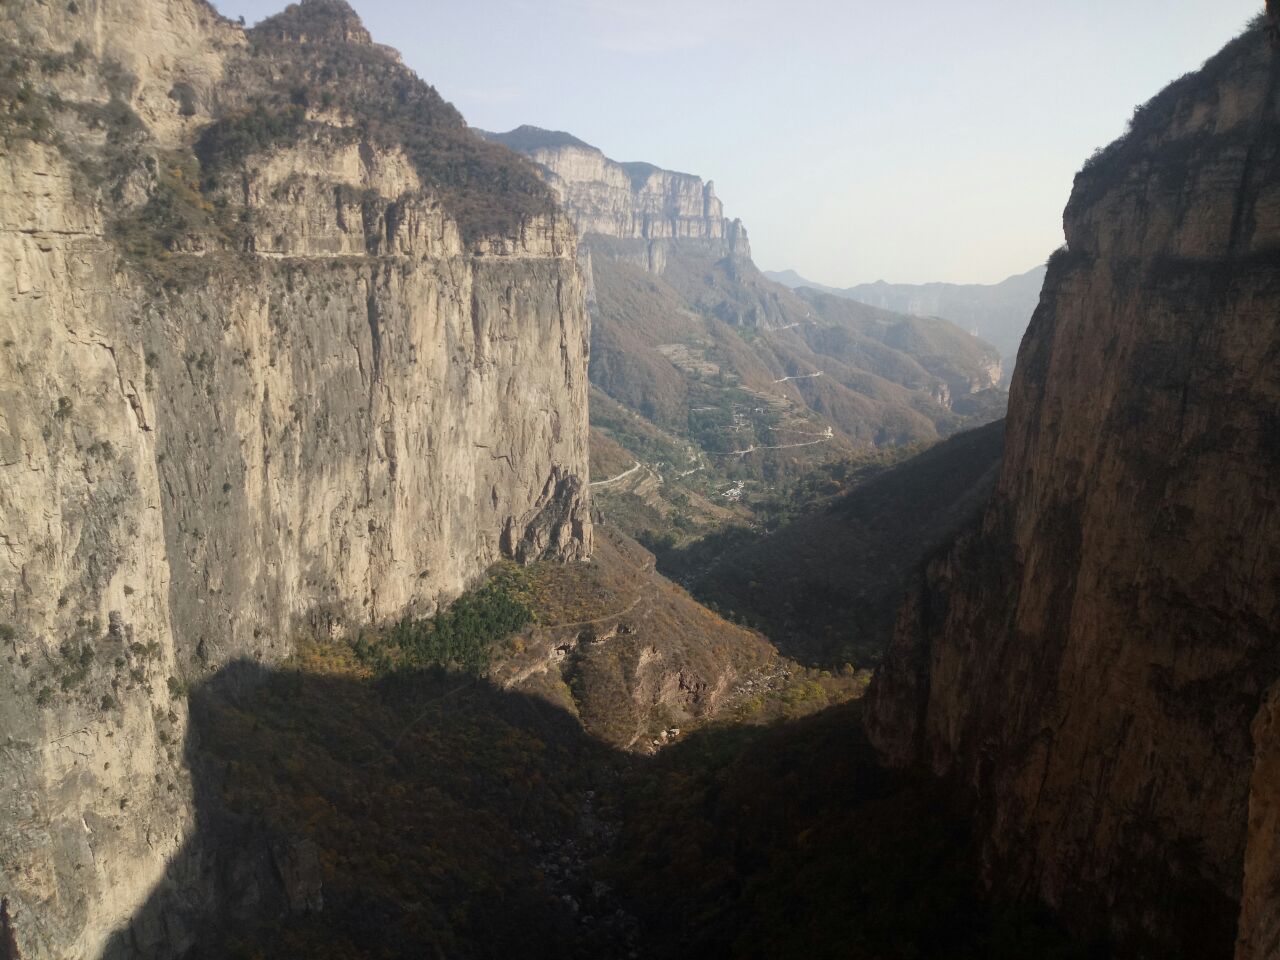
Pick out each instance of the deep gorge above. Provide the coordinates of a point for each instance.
(349, 457)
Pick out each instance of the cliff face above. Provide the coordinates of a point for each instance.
(1097, 658)
(629, 201)
(300, 381)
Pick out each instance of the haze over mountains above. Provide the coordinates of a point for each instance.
(998, 313)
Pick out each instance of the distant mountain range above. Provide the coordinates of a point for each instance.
(998, 313)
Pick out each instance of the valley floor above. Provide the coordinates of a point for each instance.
(440, 816)
(366, 803)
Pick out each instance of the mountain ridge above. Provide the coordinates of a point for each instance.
(998, 312)
(672, 227)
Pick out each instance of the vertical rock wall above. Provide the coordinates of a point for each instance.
(649, 208)
(203, 451)
(1091, 658)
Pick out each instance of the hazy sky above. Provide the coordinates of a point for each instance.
(857, 139)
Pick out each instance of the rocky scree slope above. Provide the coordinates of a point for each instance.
(1097, 657)
(283, 343)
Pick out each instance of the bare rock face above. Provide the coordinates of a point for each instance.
(555, 525)
(1097, 658)
(1259, 931)
(630, 201)
(234, 399)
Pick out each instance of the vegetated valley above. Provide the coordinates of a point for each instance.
(725, 406)
(430, 542)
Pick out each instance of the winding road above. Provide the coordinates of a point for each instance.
(625, 473)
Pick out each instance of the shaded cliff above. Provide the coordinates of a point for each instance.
(284, 343)
(1097, 657)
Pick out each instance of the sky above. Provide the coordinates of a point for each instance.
(858, 140)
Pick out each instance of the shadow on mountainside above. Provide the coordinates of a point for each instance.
(792, 842)
(406, 817)
(826, 588)
(433, 815)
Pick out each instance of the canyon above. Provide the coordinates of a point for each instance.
(671, 226)
(721, 383)
(348, 455)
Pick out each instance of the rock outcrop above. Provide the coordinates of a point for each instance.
(641, 659)
(629, 201)
(262, 367)
(1097, 658)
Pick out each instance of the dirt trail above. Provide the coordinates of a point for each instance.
(625, 473)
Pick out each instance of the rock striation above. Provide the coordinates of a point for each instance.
(629, 201)
(1096, 659)
(262, 367)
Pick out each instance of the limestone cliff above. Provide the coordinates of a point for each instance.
(1097, 658)
(629, 201)
(270, 358)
